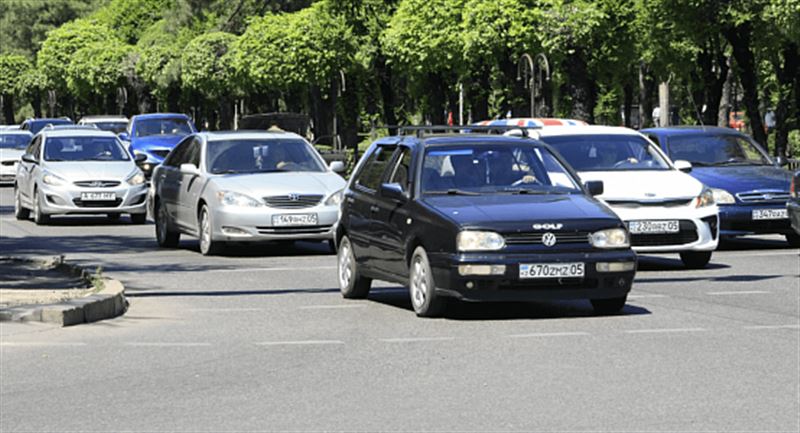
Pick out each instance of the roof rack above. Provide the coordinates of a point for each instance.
(420, 131)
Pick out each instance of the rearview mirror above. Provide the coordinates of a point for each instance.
(190, 169)
(781, 161)
(684, 166)
(394, 191)
(595, 187)
(124, 136)
(139, 158)
(337, 167)
(29, 158)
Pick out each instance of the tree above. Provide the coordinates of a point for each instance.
(96, 71)
(12, 69)
(205, 69)
(130, 18)
(24, 24)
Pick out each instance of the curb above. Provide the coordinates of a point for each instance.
(107, 303)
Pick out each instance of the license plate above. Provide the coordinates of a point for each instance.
(98, 196)
(639, 227)
(306, 219)
(551, 270)
(770, 214)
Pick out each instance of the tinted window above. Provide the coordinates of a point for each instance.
(84, 149)
(723, 149)
(178, 155)
(14, 141)
(115, 127)
(608, 152)
(164, 126)
(261, 156)
(372, 172)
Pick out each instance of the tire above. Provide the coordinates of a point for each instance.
(20, 212)
(351, 283)
(113, 217)
(138, 218)
(39, 217)
(695, 259)
(610, 305)
(793, 239)
(424, 300)
(165, 237)
(208, 246)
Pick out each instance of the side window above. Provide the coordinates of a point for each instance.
(372, 172)
(34, 144)
(400, 173)
(179, 154)
(193, 154)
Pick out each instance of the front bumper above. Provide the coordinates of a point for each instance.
(8, 170)
(737, 220)
(255, 224)
(66, 199)
(510, 287)
(699, 228)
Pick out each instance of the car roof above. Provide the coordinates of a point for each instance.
(15, 132)
(584, 130)
(76, 132)
(691, 130)
(158, 116)
(460, 139)
(247, 135)
(536, 122)
(103, 117)
(49, 120)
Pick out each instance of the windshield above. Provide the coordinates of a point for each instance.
(84, 149)
(608, 152)
(722, 149)
(488, 169)
(115, 127)
(260, 156)
(14, 141)
(164, 126)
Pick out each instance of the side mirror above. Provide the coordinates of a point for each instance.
(595, 187)
(139, 157)
(190, 169)
(394, 191)
(781, 161)
(124, 136)
(29, 158)
(684, 166)
(337, 167)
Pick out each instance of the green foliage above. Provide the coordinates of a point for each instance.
(159, 51)
(130, 18)
(493, 31)
(24, 24)
(205, 66)
(62, 44)
(12, 69)
(98, 68)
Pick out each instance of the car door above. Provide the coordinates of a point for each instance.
(389, 223)
(26, 170)
(189, 192)
(169, 179)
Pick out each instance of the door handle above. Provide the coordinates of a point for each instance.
(374, 208)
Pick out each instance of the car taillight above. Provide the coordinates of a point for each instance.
(793, 187)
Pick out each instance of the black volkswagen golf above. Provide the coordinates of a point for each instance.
(479, 217)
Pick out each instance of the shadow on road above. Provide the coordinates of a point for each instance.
(726, 278)
(651, 263)
(754, 243)
(223, 293)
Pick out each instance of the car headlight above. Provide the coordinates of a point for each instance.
(722, 197)
(610, 238)
(335, 198)
(230, 198)
(706, 198)
(137, 178)
(51, 179)
(479, 241)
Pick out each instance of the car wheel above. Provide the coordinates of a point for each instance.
(166, 238)
(208, 246)
(351, 283)
(39, 217)
(695, 259)
(793, 239)
(138, 218)
(113, 216)
(610, 305)
(422, 289)
(20, 212)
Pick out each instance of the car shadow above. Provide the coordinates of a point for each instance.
(754, 243)
(652, 263)
(222, 293)
(91, 220)
(398, 297)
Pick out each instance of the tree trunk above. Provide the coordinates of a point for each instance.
(714, 83)
(8, 108)
(384, 73)
(580, 87)
(627, 104)
(725, 100)
(478, 96)
(349, 114)
(225, 113)
(740, 39)
(437, 98)
(647, 87)
(786, 75)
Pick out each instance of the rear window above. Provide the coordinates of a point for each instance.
(608, 152)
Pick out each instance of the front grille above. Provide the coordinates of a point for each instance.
(160, 153)
(660, 203)
(97, 183)
(536, 238)
(293, 201)
(10, 162)
(100, 203)
(686, 235)
(307, 230)
(763, 196)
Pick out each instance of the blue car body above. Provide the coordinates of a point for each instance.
(754, 186)
(155, 146)
(36, 125)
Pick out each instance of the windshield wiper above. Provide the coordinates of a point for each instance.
(453, 191)
(528, 191)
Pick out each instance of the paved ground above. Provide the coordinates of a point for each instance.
(262, 340)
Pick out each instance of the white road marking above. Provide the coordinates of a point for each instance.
(224, 310)
(330, 307)
(41, 344)
(415, 339)
(663, 330)
(298, 342)
(166, 344)
(742, 292)
(646, 296)
(773, 327)
(548, 334)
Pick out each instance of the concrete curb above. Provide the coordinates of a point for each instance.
(107, 303)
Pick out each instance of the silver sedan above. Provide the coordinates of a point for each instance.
(245, 186)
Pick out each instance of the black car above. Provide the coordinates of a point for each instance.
(479, 217)
(793, 205)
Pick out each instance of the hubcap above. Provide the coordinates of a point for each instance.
(345, 268)
(205, 231)
(419, 283)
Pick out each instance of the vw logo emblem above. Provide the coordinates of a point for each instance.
(548, 239)
(294, 197)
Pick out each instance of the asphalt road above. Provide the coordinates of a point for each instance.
(261, 340)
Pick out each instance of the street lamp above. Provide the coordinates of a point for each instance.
(540, 61)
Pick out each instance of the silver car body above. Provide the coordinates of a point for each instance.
(119, 123)
(183, 193)
(10, 156)
(77, 180)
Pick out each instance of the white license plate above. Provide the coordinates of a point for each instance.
(551, 270)
(98, 196)
(770, 214)
(306, 219)
(649, 227)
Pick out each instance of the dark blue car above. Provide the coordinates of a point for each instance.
(34, 125)
(479, 217)
(155, 134)
(750, 189)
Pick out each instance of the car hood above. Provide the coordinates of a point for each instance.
(735, 179)
(91, 170)
(267, 184)
(11, 154)
(645, 185)
(519, 212)
(156, 142)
